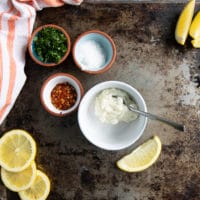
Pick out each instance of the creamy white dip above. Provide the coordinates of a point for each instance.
(111, 110)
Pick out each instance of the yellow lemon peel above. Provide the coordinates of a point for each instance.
(18, 181)
(195, 27)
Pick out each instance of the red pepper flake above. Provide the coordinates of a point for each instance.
(63, 96)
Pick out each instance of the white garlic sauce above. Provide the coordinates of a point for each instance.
(111, 110)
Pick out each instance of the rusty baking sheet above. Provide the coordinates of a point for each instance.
(137, 1)
(148, 58)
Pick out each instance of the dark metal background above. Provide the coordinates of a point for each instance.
(149, 59)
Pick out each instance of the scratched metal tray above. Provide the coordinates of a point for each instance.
(149, 59)
(138, 1)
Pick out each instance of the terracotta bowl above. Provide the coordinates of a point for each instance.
(35, 56)
(94, 52)
(50, 84)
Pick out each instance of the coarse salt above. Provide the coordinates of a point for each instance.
(91, 56)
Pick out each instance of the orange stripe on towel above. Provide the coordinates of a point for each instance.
(1, 60)
(12, 64)
(54, 3)
(29, 22)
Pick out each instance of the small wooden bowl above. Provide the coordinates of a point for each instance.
(33, 53)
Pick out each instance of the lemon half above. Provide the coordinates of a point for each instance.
(39, 190)
(184, 22)
(17, 150)
(142, 157)
(18, 181)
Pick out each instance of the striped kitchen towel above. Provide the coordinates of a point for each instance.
(16, 24)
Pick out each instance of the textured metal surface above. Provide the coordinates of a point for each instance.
(148, 58)
(136, 1)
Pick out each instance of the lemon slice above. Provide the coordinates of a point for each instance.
(142, 157)
(17, 150)
(184, 22)
(39, 190)
(195, 27)
(18, 181)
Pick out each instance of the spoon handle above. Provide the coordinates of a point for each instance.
(177, 126)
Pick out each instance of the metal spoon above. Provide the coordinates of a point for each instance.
(131, 107)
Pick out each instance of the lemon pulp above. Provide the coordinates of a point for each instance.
(18, 181)
(17, 150)
(39, 190)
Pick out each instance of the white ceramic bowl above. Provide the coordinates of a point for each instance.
(107, 136)
(50, 83)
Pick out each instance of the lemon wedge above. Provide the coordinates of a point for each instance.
(195, 27)
(142, 157)
(39, 190)
(196, 43)
(18, 181)
(184, 22)
(17, 150)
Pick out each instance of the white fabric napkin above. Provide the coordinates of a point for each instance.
(16, 24)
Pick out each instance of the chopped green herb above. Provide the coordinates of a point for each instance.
(50, 45)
